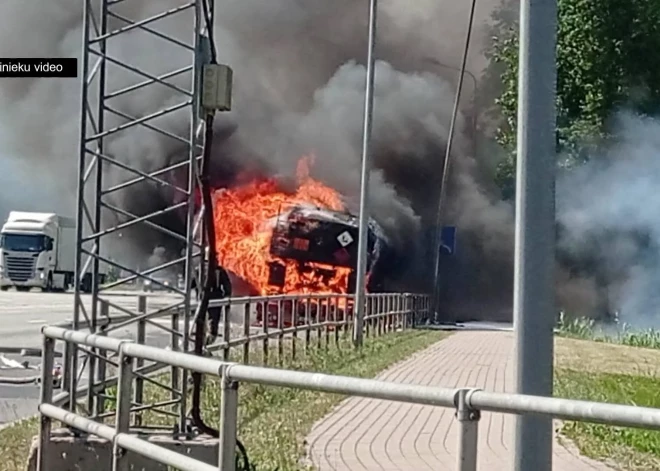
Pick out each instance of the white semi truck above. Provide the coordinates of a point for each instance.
(38, 251)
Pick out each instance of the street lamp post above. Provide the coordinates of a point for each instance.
(534, 265)
(363, 235)
(445, 169)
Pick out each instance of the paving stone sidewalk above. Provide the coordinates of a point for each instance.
(367, 435)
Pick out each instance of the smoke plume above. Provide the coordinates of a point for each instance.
(610, 229)
(299, 89)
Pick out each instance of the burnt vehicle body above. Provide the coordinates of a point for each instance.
(320, 241)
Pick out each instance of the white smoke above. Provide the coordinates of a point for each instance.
(609, 212)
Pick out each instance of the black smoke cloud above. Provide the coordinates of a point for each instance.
(299, 89)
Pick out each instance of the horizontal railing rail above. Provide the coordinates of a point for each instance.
(245, 322)
(467, 402)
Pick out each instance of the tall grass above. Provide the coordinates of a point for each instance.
(623, 334)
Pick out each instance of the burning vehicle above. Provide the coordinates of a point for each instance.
(316, 245)
(283, 239)
(321, 243)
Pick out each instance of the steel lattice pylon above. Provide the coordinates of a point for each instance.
(108, 80)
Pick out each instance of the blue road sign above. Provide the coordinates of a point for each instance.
(448, 240)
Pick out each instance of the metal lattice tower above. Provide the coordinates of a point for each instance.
(109, 85)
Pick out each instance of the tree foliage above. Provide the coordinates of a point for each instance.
(607, 58)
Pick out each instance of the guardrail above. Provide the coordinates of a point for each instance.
(468, 403)
(320, 319)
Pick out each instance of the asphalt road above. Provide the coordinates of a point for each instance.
(23, 314)
(21, 317)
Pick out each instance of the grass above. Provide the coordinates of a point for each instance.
(588, 329)
(15, 441)
(276, 420)
(630, 449)
(624, 369)
(273, 422)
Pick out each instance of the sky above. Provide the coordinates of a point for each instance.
(19, 190)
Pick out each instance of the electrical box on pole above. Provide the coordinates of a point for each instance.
(217, 82)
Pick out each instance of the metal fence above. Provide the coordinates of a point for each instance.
(468, 403)
(249, 326)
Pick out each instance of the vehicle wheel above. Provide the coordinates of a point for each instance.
(22, 289)
(4, 288)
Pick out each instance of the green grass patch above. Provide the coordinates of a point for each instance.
(15, 441)
(273, 422)
(626, 448)
(588, 329)
(631, 449)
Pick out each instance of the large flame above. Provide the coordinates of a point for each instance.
(243, 224)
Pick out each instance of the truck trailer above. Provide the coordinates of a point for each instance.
(38, 251)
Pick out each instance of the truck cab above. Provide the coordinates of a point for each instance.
(37, 250)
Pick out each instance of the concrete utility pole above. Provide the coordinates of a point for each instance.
(360, 288)
(534, 295)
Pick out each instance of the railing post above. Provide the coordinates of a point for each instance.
(346, 318)
(264, 327)
(368, 322)
(226, 330)
(141, 340)
(317, 321)
(468, 433)
(390, 315)
(380, 310)
(101, 364)
(47, 363)
(280, 333)
(335, 319)
(177, 342)
(308, 322)
(294, 324)
(415, 302)
(320, 326)
(228, 423)
(327, 321)
(246, 333)
(123, 413)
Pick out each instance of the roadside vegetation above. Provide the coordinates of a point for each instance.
(272, 421)
(617, 367)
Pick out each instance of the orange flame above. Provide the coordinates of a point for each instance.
(243, 226)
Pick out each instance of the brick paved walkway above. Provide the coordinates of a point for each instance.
(368, 435)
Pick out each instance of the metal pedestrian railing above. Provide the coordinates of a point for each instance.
(468, 403)
(301, 321)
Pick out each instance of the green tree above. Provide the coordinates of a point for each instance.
(607, 59)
